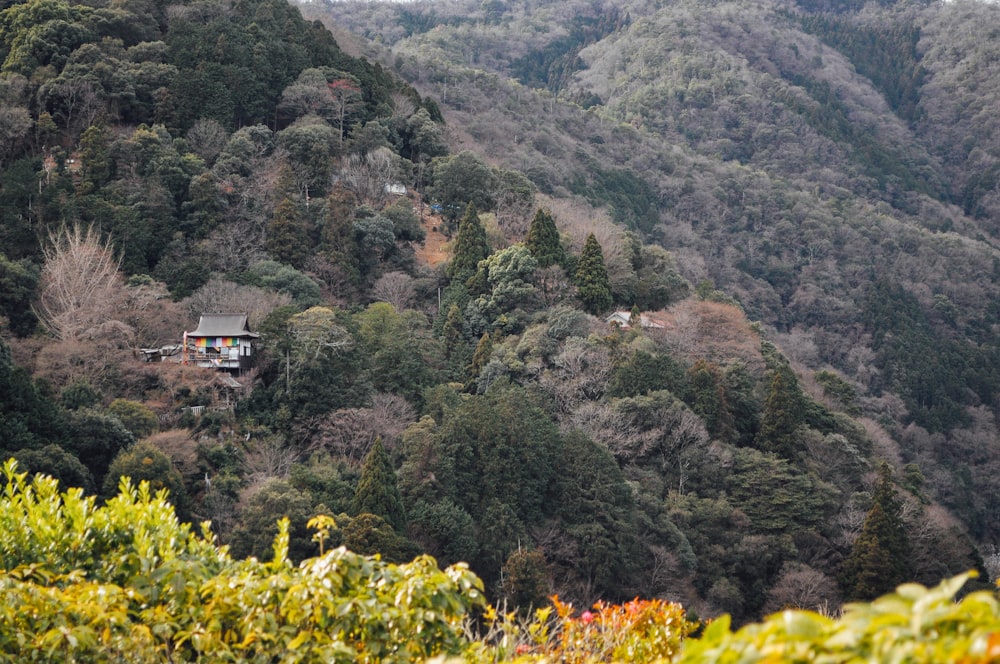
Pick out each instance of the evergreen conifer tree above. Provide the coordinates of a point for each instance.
(288, 236)
(543, 240)
(482, 355)
(471, 246)
(377, 492)
(591, 277)
(783, 414)
(455, 347)
(880, 558)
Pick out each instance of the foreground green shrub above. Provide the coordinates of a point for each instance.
(127, 582)
(914, 625)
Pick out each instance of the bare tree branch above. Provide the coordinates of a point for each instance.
(80, 286)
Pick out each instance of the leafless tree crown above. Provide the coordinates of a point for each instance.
(80, 285)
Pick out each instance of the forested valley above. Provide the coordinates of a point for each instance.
(427, 212)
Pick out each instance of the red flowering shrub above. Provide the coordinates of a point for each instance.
(637, 631)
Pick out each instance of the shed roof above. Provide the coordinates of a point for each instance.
(223, 325)
(228, 381)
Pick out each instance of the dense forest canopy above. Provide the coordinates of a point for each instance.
(788, 208)
(830, 165)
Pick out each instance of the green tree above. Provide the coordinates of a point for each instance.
(377, 492)
(369, 534)
(444, 529)
(495, 455)
(591, 278)
(79, 394)
(460, 180)
(18, 280)
(880, 557)
(658, 283)
(525, 584)
(276, 499)
(374, 241)
(471, 246)
(455, 345)
(543, 240)
(642, 373)
(144, 462)
(56, 462)
(313, 366)
(484, 349)
(504, 281)
(284, 279)
(127, 581)
(777, 497)
(96, 439)
(403, 357)
(597, 507)
(782, 416)
(137, 418)
(422, 139)
(708, 399)
(95, 159)
(289, 239)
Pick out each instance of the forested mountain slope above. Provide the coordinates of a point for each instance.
(806, 274)
(830, 165)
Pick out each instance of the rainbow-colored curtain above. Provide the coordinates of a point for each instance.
(216, 342)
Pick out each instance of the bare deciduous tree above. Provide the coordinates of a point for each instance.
(350, 432)
(799, 586)
(580, 373)
(179, 445)
(367, 175)
(267, 458)
(615, 247)
(335, 277)
(396, 288)
(390, 415)
(402, 105)
(149, 311)
(207, 138)
(219, 295)
(75, 101)
(237, 246)
(553, 285)
(80, 287)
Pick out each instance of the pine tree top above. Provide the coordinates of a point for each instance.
(377, 492)
(543, 240)
(591, 277)
(471, 246)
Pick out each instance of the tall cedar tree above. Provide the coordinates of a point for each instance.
(592, 283)
(471, 246)
(456, 348)
(377, 492)
(783, 414)
(288, 238)
(880, 558)
(482, 355)
(543, 240)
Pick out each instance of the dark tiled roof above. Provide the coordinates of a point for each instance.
(223, 325)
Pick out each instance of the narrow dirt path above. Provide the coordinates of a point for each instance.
(434, 251)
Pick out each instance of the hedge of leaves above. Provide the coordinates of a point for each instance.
(126, 581)
(914, 624)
